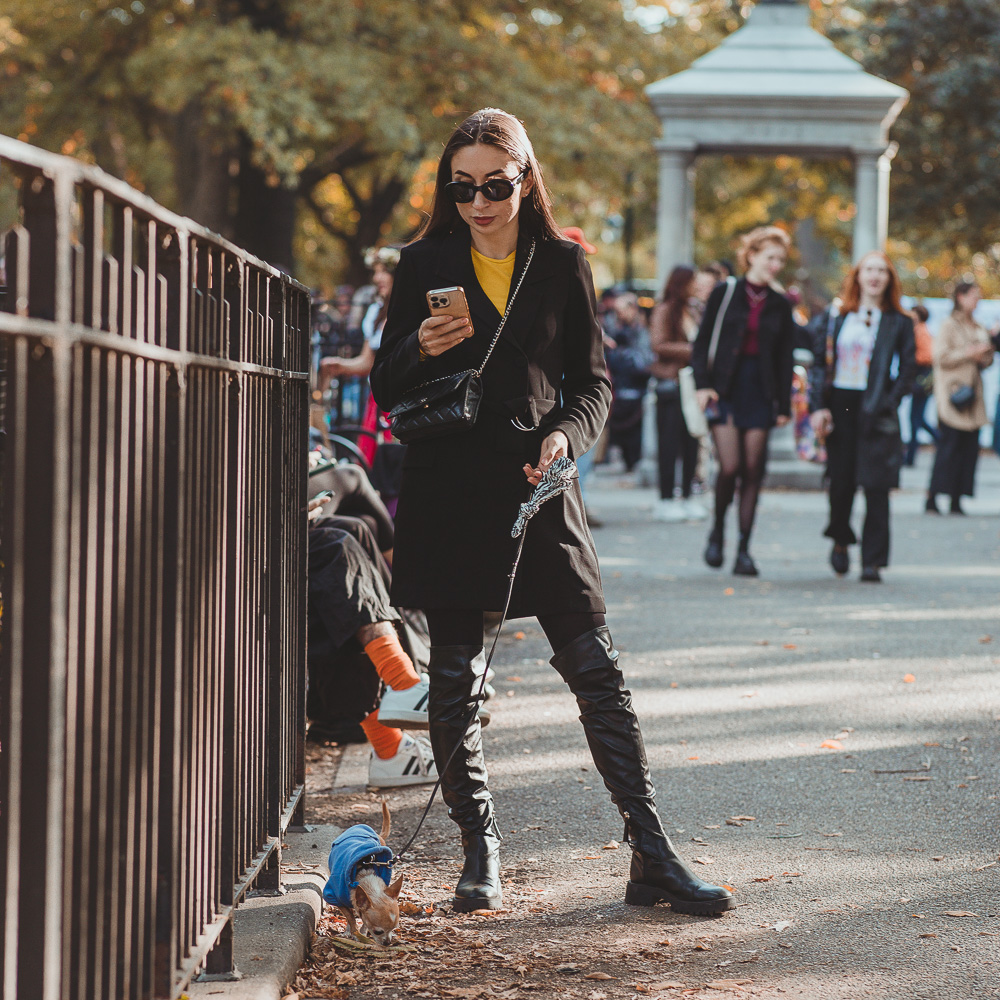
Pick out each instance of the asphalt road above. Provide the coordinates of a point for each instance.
(857, 850)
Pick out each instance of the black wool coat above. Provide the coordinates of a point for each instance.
(460, 493)
(880, 443)
(776, 335)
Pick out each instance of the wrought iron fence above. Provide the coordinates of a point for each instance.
(153, 422)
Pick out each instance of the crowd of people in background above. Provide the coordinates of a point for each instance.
(726, 333)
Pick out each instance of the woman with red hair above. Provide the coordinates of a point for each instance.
(854, 399)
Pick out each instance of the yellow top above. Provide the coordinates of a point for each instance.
(494, 277)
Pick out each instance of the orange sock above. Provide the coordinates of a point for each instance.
(391, 662)
(385, 741)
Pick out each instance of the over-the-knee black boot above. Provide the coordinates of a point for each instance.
(589, 665)
(454, 670)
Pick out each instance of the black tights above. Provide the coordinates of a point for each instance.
(465, 628)
(742, 455)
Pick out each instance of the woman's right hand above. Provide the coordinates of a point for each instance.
(438, 334)
(706, 396)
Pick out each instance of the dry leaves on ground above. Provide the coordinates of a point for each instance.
(959, 913)
(728, 984)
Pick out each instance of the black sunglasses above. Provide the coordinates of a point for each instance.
(498, 189)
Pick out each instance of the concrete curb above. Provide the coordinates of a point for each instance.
(272, 934)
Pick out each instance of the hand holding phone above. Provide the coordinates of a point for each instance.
(449, 322)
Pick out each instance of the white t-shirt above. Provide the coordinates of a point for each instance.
(854, 348)
(370, 326)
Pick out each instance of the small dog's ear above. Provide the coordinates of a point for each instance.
(393, 889)
(361, 900)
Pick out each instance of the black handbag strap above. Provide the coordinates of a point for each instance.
(506, 312)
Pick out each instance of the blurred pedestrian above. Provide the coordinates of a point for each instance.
(855, 397)
(672, 330)
(923, 384)
(962, 350)
(545, 396)
(742, 361)
(629, 363)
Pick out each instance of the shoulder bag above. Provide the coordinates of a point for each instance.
(451, 403)
(694, 415)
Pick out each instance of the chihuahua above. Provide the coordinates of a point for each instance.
(359, 884)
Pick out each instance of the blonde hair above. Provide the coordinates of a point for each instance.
(759, 238)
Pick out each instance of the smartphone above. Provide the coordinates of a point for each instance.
(448, 302)
(324, 495)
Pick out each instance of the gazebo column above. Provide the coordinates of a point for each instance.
(675, 210)
(871, 198)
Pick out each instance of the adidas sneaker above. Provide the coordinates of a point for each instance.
(413, 764)
(406, 709)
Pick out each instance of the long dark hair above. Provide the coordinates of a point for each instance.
(675, 298)
(492, 127)
(961, 289)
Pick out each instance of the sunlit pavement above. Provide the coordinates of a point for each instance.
(857, 724)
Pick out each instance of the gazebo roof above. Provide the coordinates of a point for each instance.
(776, 69)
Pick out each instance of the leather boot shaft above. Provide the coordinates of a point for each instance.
(455, 672)
(479, 886)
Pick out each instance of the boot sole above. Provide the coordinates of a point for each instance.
(466, 904)
(406, 720)
(637, 894)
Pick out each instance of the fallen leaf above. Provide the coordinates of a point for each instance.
(782, 925)
(983, 868)
(667, 984)
(831, 745)
(957, 947)
(764, 878)
(486, 913)
(703, 860)
(927, 935)
(693, 758)
(673, 684)
(908, 679)
(790, 645)
(848, 770)
(729, 592)
(598, 975)
(611, 845)
(932, 744)
(744, 819)
(762, 642)
(938, 857)
(918, 777)
(716, 826)
(518, 635)
(986, 638)
(959, 913)
(515, 679)
(784, 944)
(832, 834)
(793, 874)
(702, 947)
(728, 984)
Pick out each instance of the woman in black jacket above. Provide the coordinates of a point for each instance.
(854, 398)
(743, 371)
(545, 395)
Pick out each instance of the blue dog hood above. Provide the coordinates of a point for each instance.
(356, 844)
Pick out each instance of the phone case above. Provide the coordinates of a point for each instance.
(447, 302)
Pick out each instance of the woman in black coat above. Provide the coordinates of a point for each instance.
(854, 398)
(743, 371)
(545, 395)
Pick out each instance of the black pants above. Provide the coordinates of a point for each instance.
(465, 628)
(673, 442)
(842, 468)
(625, 430)
(918, 420)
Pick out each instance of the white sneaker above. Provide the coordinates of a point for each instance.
(406, 709)
(694, 509)
(669, 510)
(413, 764)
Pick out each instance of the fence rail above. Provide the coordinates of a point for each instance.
(153, 422)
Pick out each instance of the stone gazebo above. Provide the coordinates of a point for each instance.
(773, 87)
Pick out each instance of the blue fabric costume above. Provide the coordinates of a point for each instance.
(357, 843)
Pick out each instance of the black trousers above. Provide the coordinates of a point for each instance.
(842, 468)
(673, 442)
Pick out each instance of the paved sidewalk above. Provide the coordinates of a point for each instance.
(858, 725)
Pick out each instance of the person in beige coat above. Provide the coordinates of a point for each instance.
(962, 350)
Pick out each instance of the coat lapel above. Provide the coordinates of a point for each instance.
(878, 369)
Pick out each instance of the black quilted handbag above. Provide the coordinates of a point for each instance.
(450, 403)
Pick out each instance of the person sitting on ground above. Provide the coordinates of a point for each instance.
(349, 612)
(354, 497)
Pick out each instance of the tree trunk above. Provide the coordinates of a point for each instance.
(265, 216)
(204, 185)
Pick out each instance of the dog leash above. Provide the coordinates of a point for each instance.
(555, 480)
